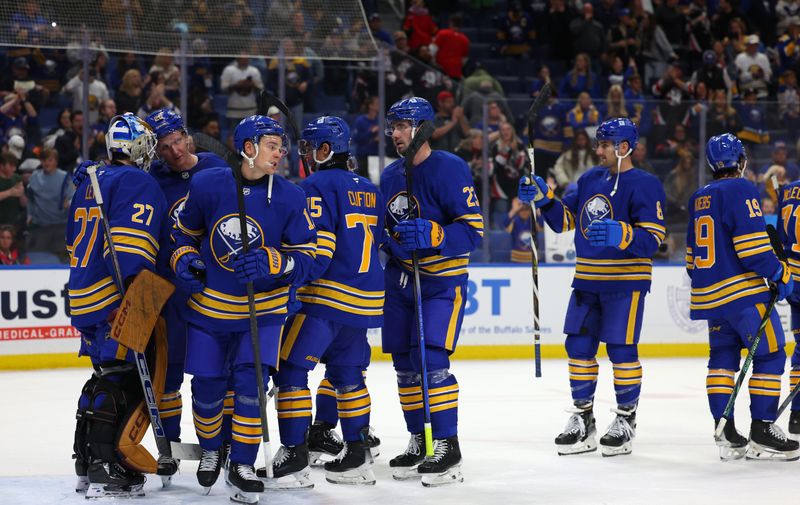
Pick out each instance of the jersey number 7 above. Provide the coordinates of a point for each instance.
(366, 222)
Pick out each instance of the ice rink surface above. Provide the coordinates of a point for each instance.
(507, 424)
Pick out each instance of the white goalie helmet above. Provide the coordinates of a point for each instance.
(132, 136)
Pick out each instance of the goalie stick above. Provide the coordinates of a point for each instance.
(533, 113)
(267, 100)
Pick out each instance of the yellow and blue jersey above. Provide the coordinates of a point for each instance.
(728, 252)
(443, 193)
(789, 228)
(135, 208)
(209, 224)
(346, 280)
(638, 203)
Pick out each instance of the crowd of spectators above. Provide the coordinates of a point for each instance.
(672, 66)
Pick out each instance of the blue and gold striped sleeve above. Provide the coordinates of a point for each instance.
(464, 233)
(748, 234)
(559, 214)
(647, 218)
(299, 238)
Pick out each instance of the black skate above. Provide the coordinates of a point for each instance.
(112, 480)
(208, 470)
(226, 455)
(732, 445)
(579, 434)
(444, 467)
(374, 443)
(290, 469)
(167, 467)
(405, 465)
(619, 438)
(354, 466)
(80, 470)
(324, 444)
(768, 442)
(794, 425)
(246, 485)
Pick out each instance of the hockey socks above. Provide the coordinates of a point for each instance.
(627, 382)
(326, 404)
(583, 378)
(169, 408)
(294, 414)
(354, 410)
(765, 391)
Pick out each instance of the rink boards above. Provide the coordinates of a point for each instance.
(498, 321)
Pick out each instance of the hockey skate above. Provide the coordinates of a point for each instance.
(80, 470)
(732, 445)
(769, 443)
(290, 469)
(794, 425)
(405, 465)
(208, 469)
(374, 443)
(245, 484)
(579, 434)
(619, 438)
(444, 467)
(167, 467)
(353, 467)
(112, 480)
(324, 444)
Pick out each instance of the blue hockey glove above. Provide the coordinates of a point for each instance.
(537, 191)
(420, 234)
(782, 278)
(190, 271)
(80, 172)
(263, 263)
(610, 233)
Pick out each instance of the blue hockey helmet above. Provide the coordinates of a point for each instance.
(131, 136)
(165, 121)
(617, 130)
(725, 152)
(414, 110)
(254, 127)
(330, 129)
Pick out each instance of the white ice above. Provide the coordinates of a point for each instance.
(508, 420)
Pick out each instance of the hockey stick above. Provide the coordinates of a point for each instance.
(208, 143)
(533, 112)
(421, 136)
(778, 248)
(162, 443)
(785, 404)
(267, 100)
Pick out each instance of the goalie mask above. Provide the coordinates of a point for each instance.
(132, 137)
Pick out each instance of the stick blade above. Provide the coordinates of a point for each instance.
(537, 105)
(209, 144)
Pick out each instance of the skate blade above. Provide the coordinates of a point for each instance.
(588, 445)
(292, 482)
(206, 490)
(82, 485)
(453, 475)
(102, 491)
(793, 436)
(166, 481)
(609, 451)
(757, 452)
(730, 453)
(239, 496)
(361, 476)
(405, 472)
(318, 459)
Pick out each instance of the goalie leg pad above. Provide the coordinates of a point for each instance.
(81, 444)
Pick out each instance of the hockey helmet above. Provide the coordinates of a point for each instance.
(131, 136)
(253, 128)
(165, 121)
(725, 152)
(618, 130)
(325, 129)
(414, 110)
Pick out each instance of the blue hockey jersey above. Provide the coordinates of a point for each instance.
(789, 227)
(209, 223)
(346, 281)
(443, 193)
(728, 252)
(638, 202)
(175, 185)
(135, 209)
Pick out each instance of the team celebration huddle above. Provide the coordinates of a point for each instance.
(211, 264)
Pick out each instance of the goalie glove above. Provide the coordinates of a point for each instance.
(420, 234)
(263, 263)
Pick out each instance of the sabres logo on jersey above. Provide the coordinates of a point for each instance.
(226, 238)
(595, 208)
(176, 209)
(550, 126)
(399, 208)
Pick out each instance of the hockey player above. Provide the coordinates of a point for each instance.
(282, 238)
(343, 298)
(618, 212)
(788, 223)
(728, 256)
(135, 209)
(173, 172)
(448, 227)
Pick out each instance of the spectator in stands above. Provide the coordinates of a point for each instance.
(426, 80)
(97, 92)
(576, 160)
(28, 26)
(698, 27)
(298, 76)
(20, 78)
(69, 143)
(636, 102)
(366, 132)
(615, 103)
(754, 119)
(721, 116)
(768, 211)
(108, 109)
(452, 48)
(788, 45)
(622, 40)
(721, 21)
(401, 41)
(548, 135)
(676, 142)
(538, 82)
(618, 73)
(450, 122)
(555, 33)
(470, 150)
(509, 162)
(378, 33)
(18, 114)
(156, 98)
(476, 76)
(419, 25)
(639, 157)
(494, 118)
(127, 61)
(785, 11)
(210, 126)
(49, 194)
(671, 18)
(789, 103)
(242, 82)
(64, 124)
(675, 93)
(583, 115)
(679, 186)
(579, 79)
(164, 63)
(766, 187)
(515, 33)
(129, 98)
(656, 50)
(754, 68)
(9, 253)
(337, 73)
(589, 36)
(518, 224)
(712, 74)
(780, 156)
(12, 193)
